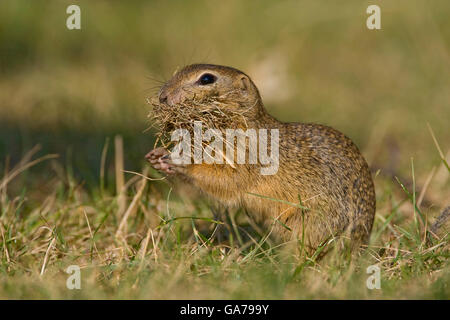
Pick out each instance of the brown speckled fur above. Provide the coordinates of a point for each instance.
(318, 165)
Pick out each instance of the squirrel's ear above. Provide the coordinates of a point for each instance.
(244, 83)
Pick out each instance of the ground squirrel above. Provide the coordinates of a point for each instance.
(319, 167)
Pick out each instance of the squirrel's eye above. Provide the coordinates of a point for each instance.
(206, 78)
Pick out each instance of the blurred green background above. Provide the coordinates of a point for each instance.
(314, 61)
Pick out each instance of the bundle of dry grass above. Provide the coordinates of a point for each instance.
(213, 113)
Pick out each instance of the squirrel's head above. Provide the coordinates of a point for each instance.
(204, 82)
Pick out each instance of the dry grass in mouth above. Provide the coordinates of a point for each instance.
(213, 113)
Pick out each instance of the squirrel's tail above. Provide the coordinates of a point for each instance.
(362, 222)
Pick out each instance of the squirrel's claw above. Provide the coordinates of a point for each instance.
(155, 154)
(160, 160)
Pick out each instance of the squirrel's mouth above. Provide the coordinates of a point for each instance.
(213, 113)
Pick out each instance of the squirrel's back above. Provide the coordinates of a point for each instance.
(330, 175)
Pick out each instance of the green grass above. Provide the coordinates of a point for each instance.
(157, 245)
(72, 92)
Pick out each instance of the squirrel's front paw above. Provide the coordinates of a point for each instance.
(160, 160)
